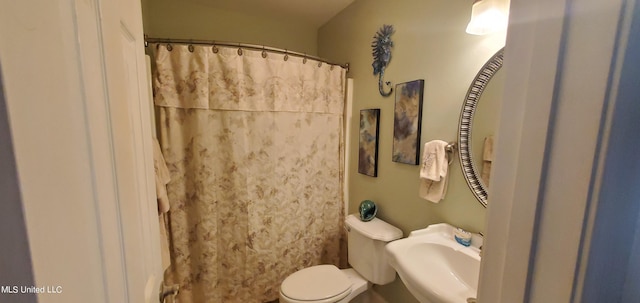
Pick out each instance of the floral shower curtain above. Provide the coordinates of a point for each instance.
(254, 146)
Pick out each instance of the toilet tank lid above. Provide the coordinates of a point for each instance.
(375, 229)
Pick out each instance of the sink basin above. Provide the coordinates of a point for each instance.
(434, 267)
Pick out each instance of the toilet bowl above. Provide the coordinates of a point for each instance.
(328, 284)
(322, 284)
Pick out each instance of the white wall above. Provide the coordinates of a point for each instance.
(631, 291)
(79, 192)
(46, 114)
(15, 257)
(562, 61)
(614, 244)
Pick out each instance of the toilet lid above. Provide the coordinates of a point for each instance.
(315, 283)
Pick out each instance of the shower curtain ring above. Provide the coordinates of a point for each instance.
(239, 51)
(191, 48)
(214, 49)
(169, 47)
(264, 53)
(304, 60)
(286, 55)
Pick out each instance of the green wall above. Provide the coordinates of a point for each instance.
(430, 44)
(197, 20)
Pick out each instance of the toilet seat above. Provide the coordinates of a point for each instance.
(318, 284)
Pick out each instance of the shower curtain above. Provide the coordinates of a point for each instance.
(254, 144)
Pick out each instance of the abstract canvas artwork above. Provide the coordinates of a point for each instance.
(368, 146)
(406, 122)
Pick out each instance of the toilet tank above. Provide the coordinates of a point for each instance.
(366, 242)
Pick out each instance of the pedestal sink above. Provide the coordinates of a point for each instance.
(434, 267)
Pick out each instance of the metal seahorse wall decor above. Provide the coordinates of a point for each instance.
(382, 45)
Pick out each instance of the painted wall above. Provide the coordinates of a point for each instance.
(430, 44)
(196, 20)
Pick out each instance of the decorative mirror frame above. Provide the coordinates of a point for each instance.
(466, 121)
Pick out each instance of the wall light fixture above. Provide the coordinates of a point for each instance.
(486, 18)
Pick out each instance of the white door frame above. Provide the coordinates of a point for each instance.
(81, 137)
(560, 58)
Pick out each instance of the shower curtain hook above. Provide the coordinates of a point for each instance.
(304, 59)
(286, 55)
(214, 49)
(239, 49)
(169, 47)
(264, 52)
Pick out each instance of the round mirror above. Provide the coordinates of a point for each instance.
(478, 122)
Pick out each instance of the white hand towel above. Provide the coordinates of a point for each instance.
(165, 254)
(162, 178)
(434, 171)
(487, 158)
(487, 151)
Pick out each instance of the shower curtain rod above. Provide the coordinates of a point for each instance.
(148, 40)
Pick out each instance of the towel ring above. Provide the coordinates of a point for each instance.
(450, 149)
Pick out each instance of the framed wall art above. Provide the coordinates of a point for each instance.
(368, 142)
(407, 118)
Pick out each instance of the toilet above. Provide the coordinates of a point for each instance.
(328, 284)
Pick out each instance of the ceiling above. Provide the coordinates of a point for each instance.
(311, 12)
